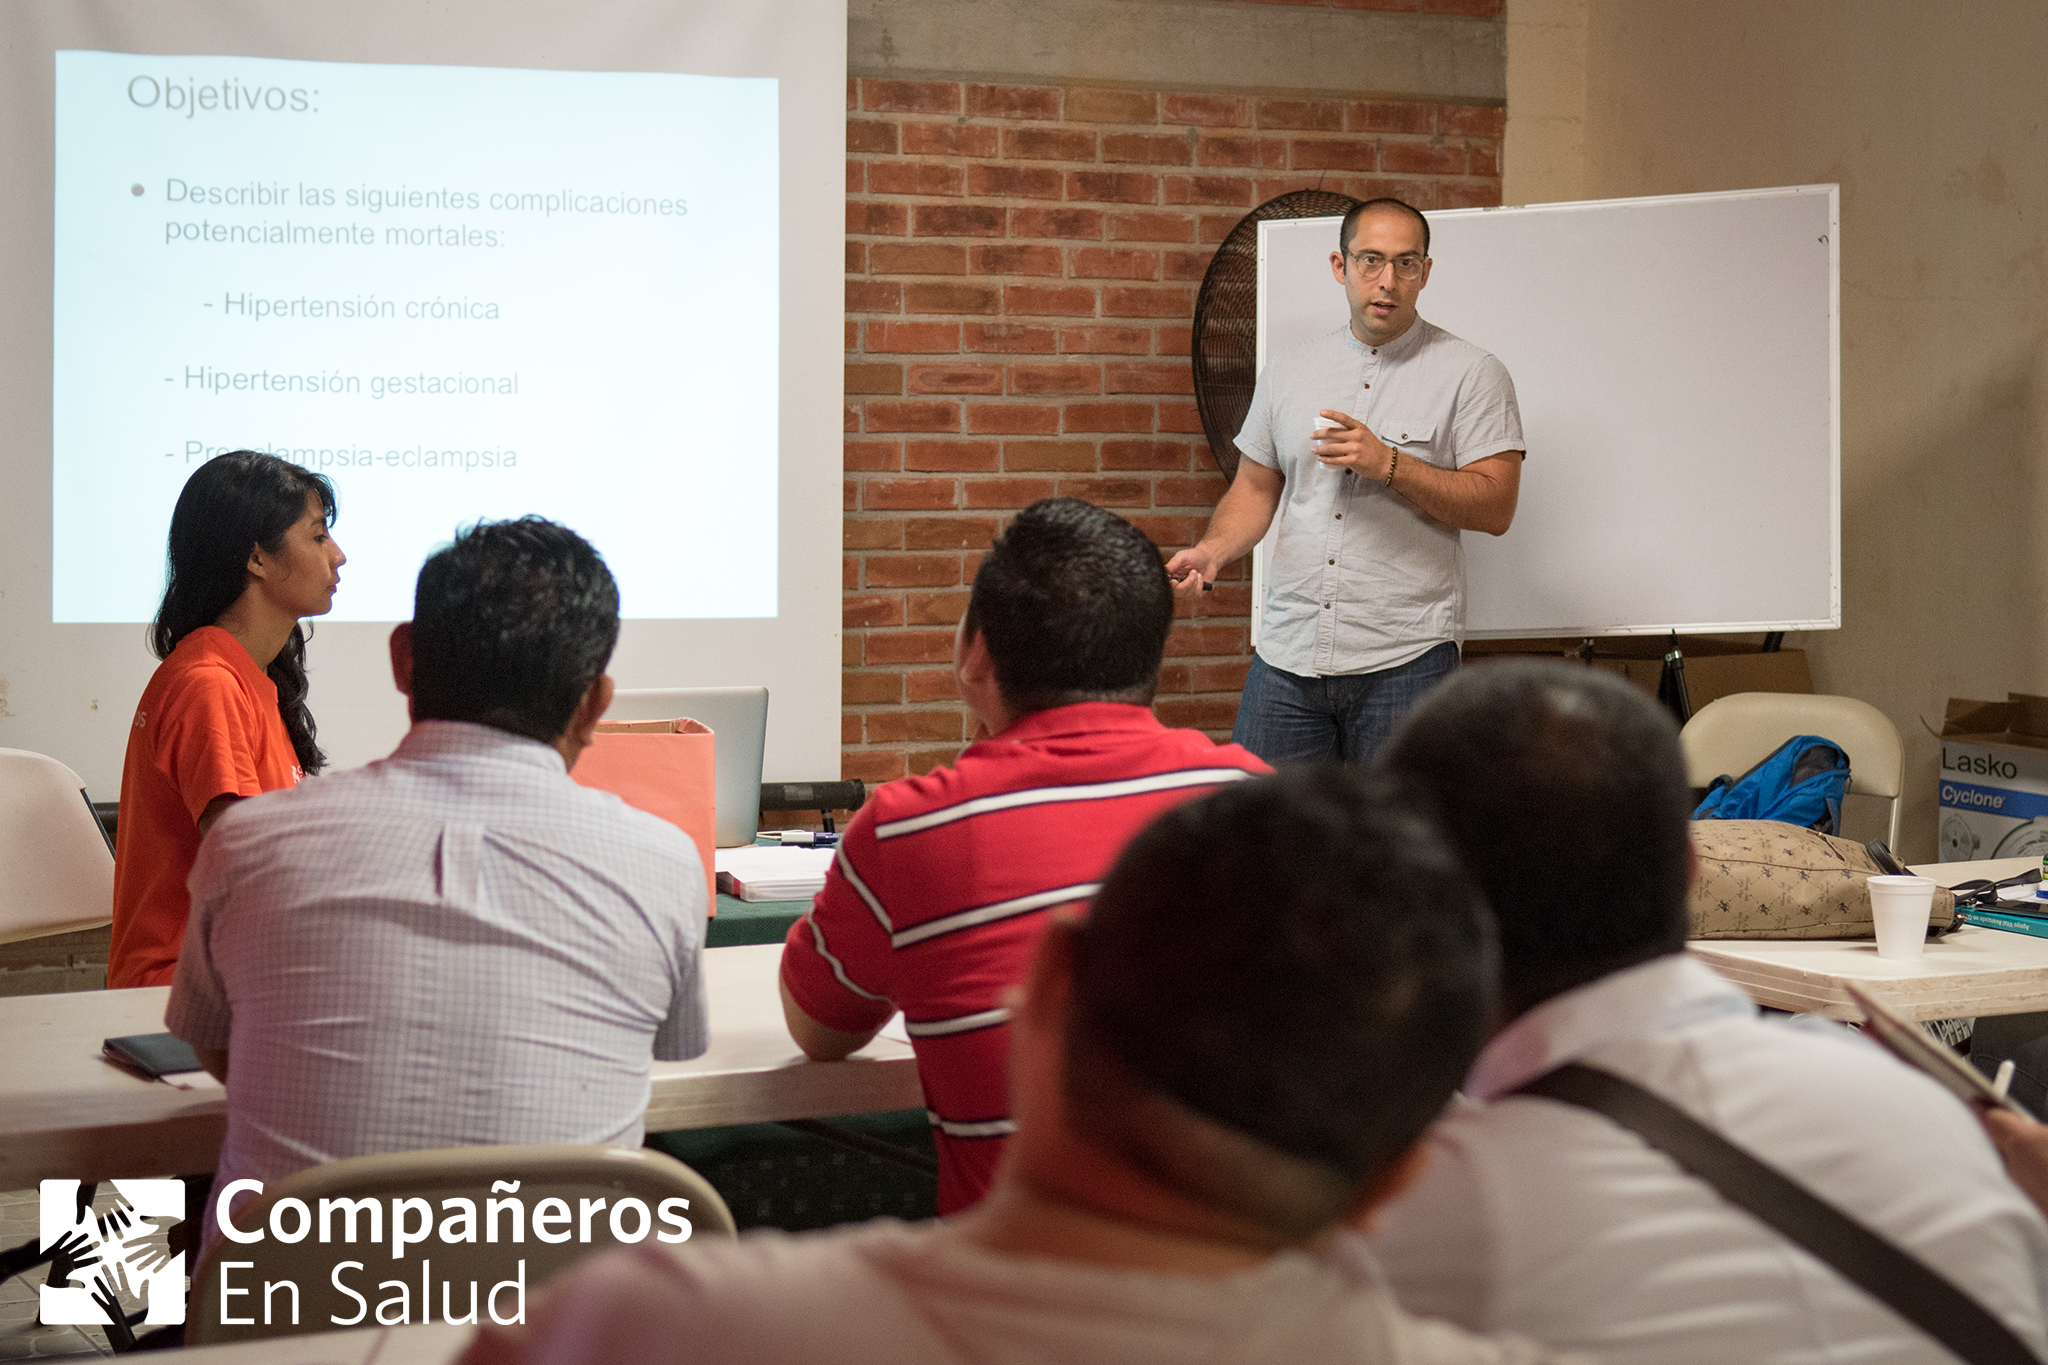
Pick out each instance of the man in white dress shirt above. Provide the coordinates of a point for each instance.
(456, 944)
(1565, 791)
(1273, 994)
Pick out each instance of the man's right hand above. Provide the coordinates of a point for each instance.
(2024, 1145)
(1189, 570)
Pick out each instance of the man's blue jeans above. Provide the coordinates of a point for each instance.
(1285, 718)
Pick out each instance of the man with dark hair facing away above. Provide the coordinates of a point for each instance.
(457, 944)
(943, 882)
(1564, 791)
(1369, 450)
(1274, 992)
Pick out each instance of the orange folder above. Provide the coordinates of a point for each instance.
(663, 767)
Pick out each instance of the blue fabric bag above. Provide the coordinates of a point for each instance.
(1801, 783)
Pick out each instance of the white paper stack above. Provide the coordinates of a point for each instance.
(772, 874)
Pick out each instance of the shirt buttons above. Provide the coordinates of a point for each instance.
(1326, 606)
(1340, 516)
(1333, 561)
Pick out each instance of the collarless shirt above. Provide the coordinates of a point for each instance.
(455, 945)
(1548, 1220)
(942, 884)
(1360, 579)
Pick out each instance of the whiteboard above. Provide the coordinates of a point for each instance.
(1678, 364)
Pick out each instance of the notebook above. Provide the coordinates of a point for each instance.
(1912, 1045)
(773, 873)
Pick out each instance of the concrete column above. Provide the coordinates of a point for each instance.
(1544, 155)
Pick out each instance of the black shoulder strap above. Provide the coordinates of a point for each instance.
(1913, 1289)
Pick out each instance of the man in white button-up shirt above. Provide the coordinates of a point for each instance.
(1565, 791)
(1202, 1093)
(1416, 439)
(456, 944)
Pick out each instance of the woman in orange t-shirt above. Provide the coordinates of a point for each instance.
(225, 715)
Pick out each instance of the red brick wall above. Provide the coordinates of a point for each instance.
(1021, 268)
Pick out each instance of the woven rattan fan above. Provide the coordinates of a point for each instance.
(1226, 319)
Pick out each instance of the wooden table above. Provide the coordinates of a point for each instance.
(66, 1113)
(1970, 971)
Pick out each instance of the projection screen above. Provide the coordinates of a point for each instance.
(479, 260)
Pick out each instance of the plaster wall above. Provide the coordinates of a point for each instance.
(1935, 127)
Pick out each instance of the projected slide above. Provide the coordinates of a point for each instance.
(458, 292)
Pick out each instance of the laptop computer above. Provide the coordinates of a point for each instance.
(738, 718)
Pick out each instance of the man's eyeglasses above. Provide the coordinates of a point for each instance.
(1371, 263)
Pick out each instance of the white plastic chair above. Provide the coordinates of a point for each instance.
(56, 869)
(1731, 735)
(573, 1175)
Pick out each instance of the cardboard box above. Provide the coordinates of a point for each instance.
(1993, 795)
(1714, 667)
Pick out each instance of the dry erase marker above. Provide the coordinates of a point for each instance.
(1207, 586)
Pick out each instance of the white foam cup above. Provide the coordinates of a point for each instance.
(1900, 908)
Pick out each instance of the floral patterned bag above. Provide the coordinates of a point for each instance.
(1768, 879)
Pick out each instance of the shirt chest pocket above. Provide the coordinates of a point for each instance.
(1416, 440)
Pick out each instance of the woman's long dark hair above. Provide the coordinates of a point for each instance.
(232, 504)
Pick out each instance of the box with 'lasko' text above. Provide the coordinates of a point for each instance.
(1994, 779)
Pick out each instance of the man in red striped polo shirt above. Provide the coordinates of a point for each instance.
(943, 882)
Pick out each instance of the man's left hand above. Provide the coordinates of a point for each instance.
(1344, 443)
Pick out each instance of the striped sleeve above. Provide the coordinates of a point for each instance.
(837, 959)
